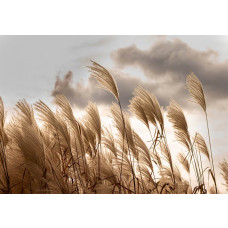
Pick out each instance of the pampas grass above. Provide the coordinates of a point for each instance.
(202, 146)
(177, 118)
(195, 89)
(68, 155)
(104, 78)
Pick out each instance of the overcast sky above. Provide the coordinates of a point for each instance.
(29, 66)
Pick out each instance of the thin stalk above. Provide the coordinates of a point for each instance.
(212, 161)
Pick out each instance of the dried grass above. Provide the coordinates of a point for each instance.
(67, 155)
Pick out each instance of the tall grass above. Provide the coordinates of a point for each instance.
(69, 155)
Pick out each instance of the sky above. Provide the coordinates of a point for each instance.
(40, 67)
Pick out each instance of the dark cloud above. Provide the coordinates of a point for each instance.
(80, 94)
(171, 61)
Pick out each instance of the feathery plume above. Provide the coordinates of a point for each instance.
(150, 105)
(195, 89)
(117, 117)
(184, 161)
(167, 155)
(136, 107)
(177, 118)
(93, 119)
(108, 141)
(144, 153)
(104, 78)
(202, 146)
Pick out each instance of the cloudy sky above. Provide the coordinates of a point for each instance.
(39, 67)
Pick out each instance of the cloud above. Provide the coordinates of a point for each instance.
(170, 61)
(165, 66)
(79, 94)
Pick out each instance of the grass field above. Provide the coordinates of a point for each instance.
(63, 154)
